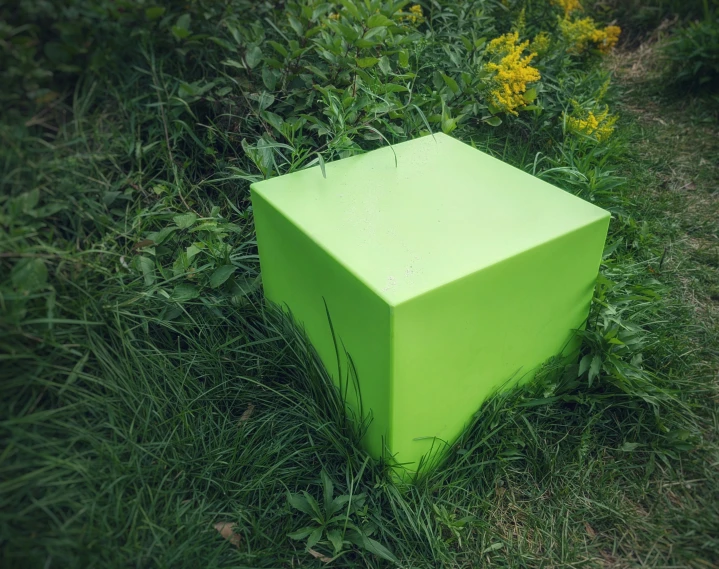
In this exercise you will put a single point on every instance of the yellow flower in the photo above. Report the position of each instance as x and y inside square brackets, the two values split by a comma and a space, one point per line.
[607, 38]
[583, 33]
[598, 126]
[413, 16]
[568, 6]
[511, 72]
[334, 16]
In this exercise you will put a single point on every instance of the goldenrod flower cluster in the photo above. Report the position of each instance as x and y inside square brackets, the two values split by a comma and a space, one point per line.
[568, 6]
[511, 72]
[583, 33]
[598, 126]
[607, 38]
[414, 15]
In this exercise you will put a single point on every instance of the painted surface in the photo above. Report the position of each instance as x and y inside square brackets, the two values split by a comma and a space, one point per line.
[447, 276]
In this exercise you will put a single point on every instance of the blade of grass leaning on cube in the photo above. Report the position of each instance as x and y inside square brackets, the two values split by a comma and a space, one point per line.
[447, 275]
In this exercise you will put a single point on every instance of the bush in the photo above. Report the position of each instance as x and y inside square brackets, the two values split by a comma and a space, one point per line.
[694, 53]
[639, 18]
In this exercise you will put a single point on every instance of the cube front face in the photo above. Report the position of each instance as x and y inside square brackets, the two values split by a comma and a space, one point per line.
[428, 350]
[456, 345]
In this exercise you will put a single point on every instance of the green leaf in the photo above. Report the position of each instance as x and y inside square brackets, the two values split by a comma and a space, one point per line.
[328, 490]
[337, 505]
[274, 119]
[242, 287]
[233, 63]
[451, 83]
[322, 164]
[378, 549]
[301, 533]
[336, 540]
[29, 274]
[313, 504]
[296, 25]
[181, 29]
[159, 237]
[181, 264]
[629, 447]
[192, 251]
[384, 64]
[184, 21]
[377, 20]
[351, 8]
[154, 12]
[184, 292]
[348, 32]
[584, 365]
[180, 33]
[265, 100]
[28, 201]
[269, 78]
[382, 32]
[493, 547]
[594, 368]
[185, 220]
[147, 267]
[279, 48]
[403, 57]
[493, 121]
[365, 62]
[221, 275]
[299, 502]
[530, 95]
[314, 537]
[253, 56]
[448, 123]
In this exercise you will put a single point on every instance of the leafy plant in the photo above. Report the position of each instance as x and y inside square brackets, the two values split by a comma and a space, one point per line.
[338, 523]
[693, 51]
[449, 521]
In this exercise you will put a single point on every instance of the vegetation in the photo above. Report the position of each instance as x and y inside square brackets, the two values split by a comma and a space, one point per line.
[694, 53]
[152, 406]
[690, 34]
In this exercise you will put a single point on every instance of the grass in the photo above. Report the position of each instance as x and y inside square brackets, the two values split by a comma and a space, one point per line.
[137, 414]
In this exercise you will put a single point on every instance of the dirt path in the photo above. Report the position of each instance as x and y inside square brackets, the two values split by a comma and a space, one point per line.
[680, 148]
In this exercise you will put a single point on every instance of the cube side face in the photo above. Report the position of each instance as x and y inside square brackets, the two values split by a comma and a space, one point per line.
[299, 275]
[456, 345]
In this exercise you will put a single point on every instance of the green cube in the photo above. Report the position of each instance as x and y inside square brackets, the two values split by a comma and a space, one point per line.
[447, 273]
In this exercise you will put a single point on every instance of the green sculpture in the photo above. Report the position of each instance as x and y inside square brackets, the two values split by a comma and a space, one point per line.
[447, 274]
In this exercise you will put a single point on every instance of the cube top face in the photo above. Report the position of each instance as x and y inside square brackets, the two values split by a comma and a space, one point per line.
[444, 211]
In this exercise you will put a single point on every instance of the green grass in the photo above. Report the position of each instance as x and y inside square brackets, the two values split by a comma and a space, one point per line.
[140, 405]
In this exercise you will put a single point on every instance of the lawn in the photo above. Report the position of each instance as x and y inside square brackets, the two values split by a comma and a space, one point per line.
[154, 412]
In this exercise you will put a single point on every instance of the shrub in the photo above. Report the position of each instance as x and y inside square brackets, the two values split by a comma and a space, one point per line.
[694, 53]
[640, 18]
